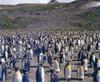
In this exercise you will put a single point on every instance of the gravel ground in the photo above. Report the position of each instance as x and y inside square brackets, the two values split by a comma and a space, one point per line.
[74, 63]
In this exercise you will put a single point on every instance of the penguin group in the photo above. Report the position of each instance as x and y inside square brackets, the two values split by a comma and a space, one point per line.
[57, 55]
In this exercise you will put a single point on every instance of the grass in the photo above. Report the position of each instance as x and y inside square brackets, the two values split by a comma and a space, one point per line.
[89, 20]
[12, 16]
[21, 16]
[7, 22]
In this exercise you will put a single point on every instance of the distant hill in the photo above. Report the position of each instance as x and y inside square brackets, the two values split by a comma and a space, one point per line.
[53, 1]
[89, 19]
[50, 16]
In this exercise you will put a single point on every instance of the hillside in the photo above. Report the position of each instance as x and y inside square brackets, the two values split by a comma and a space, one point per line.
[49, 16]
[35, 16]
[89, 19]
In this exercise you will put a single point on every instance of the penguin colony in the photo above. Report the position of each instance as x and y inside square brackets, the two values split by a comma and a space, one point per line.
[53, 55]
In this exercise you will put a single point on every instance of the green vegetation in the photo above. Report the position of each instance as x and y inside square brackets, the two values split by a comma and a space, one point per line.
[91, 15]
[21, 16]
[89, 20]
[7, 22]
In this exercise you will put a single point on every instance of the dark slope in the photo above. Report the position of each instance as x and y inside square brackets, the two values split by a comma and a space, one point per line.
[49, 16]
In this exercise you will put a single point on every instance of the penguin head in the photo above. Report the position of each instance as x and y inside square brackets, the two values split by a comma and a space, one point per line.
[55, 58]
[16, 69]
[17, 73]
[25, 72]
[52, 70]
[41, 64]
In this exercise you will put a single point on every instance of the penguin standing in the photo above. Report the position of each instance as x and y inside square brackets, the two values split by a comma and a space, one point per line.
[61, 57]
[98, 63]
[67, 71]
[20, 45]
[59, 46]
[56, 65]
[40, 74]
[80, 54]
[26, 77]
[6, 55]
[20, 49]
[92, 46]
[49, 59]
[27, 65]
[2, 48]
[40, 57]
[17, 77]
[81, 72]
[31, 53]
[92, 60]
[79, 42]
[3, 70]
[69, 57]
[98, 45]
[66, 49]
[85, 61]
[64, 55]
[82, 42]
[14, 59]
[98, 76]
[76, 47]
[53, 76]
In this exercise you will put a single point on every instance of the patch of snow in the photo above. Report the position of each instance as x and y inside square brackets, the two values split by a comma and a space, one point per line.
[92, 4]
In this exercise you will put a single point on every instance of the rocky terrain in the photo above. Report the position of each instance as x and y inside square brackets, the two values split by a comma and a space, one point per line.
[50, 16]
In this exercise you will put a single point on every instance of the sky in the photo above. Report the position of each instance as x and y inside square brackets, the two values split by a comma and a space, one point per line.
[13, 2]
